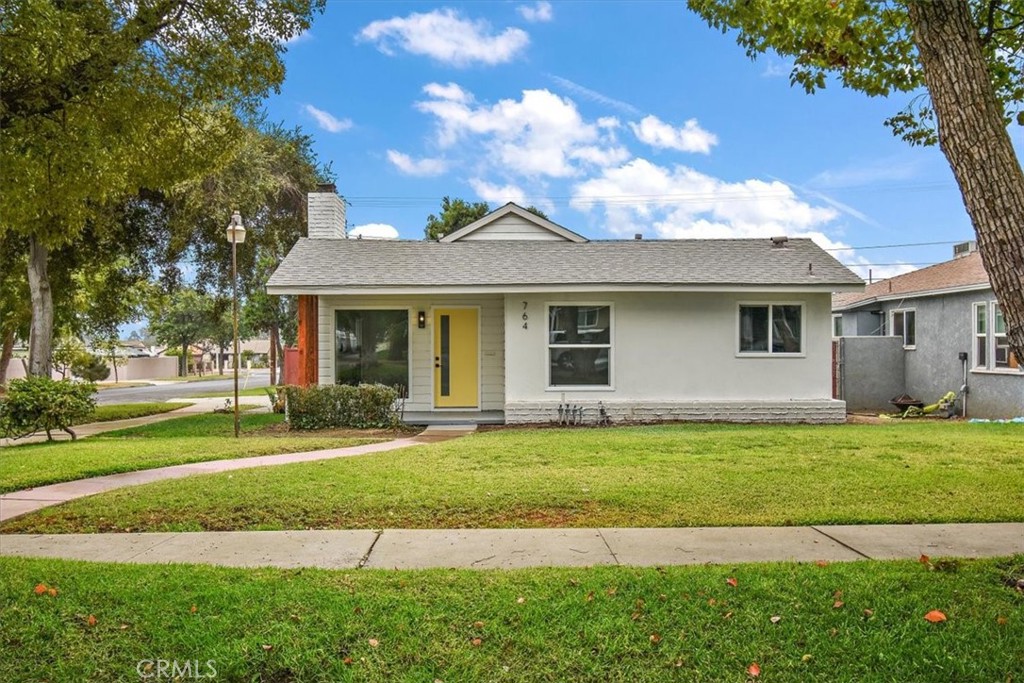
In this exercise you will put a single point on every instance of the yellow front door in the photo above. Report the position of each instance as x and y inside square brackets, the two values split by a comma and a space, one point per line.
[456, 358]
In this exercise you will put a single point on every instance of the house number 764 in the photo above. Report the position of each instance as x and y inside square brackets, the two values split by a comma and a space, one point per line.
[526, 316]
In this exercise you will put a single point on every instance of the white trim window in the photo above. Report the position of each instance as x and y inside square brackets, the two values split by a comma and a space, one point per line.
[837, 324]
[775, 329]
[579, 345]
[991, 349]
[904, 324]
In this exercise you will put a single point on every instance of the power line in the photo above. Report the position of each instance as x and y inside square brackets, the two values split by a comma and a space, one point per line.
[894, 246]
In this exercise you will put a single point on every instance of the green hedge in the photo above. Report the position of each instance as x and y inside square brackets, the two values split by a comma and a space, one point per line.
[41, 404]
[331, 406]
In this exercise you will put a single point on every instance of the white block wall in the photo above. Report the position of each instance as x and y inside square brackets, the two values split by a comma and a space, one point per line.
[325, 215]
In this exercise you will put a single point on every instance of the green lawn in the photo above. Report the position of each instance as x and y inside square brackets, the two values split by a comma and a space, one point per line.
[860, 621]
[676, 475]
[192, 438]
[125, 411]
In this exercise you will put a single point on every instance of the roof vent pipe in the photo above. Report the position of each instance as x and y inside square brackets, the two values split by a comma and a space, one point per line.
[638, 236]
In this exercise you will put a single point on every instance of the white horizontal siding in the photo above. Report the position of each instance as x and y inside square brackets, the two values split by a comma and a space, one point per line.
[512, 227]
[421, 363]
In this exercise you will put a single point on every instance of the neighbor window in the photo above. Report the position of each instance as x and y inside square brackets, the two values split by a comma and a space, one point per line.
[371, 347]
[991, 349]
[837, 326]
[904, 324]
[771, 328]
[579, 346]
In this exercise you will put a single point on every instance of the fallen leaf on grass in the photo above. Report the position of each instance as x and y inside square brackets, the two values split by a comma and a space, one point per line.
[478, 624]
[731, 581]
[520, 600]
[806, 658]
[267, 647]
[193, 609]
[374, 642]
[776, 619]
[40, 589]
[477, 642]
[837, 604]
[868, 613]
[727, 615]
[612, 591]
[821, 563]
[91, 620]
[52, 592]
[924, 559]
[655, 638]
[123, 627]
[1002, 621]
[590, 597]
[347, 661]
[935, 616]
[754, 670]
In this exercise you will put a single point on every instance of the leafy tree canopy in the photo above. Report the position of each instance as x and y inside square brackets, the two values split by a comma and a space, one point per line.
[457, 214]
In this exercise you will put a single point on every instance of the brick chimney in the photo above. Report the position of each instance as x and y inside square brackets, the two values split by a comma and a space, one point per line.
[325, 213]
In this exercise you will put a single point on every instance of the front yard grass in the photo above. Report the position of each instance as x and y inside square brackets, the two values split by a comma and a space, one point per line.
[861, 621]
[663, 476]
[126, 411]
[192, 438]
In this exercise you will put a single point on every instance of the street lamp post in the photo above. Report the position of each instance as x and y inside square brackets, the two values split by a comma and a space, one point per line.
[236, 235]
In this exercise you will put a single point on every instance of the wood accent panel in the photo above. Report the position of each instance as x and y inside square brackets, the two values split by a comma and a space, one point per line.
[308, 340]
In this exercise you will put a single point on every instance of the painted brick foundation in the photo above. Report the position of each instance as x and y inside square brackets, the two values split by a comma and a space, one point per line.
[823, 411]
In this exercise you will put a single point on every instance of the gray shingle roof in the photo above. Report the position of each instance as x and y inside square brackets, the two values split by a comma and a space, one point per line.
[342, 264]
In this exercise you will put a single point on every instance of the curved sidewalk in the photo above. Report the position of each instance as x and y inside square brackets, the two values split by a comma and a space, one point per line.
[521, 548]
[23, 502]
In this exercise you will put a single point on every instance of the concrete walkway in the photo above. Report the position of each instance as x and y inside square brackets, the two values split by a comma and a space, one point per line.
[518, 548]
[29, 500]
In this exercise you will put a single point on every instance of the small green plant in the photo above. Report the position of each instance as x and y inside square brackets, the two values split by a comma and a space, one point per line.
[91, 368]
[36, 404]
[326, 407]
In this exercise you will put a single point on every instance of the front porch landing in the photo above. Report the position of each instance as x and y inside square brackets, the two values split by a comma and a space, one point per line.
[454, 417]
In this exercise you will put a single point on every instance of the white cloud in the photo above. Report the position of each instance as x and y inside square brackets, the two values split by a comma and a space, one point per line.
[679, 202]
[450, 91]
[870, 172]
[775, 69]
[498, 195]
[424, 168]
[303, 37]
[540, 135]
[444, 35]
[689, 138]
[538, 12]
[327, 121]
[374, 231]
[594, 96]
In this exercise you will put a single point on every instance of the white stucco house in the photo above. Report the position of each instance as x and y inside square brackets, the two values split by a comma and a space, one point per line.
[512, 316]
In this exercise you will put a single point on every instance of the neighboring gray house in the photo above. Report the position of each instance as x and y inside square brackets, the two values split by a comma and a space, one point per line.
[512, 316]
[918, 333]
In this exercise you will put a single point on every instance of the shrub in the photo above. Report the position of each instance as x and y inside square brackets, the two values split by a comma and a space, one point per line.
[38, 404]
[91, 368]
[325, 407]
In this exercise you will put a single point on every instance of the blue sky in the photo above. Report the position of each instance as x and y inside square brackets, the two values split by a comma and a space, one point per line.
[614, 118]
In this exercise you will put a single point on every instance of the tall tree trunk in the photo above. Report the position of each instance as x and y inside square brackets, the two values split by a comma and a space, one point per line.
[220, 358]
[272, 356]
[6, 353]
[183, 363]
[973, 136]
[40, 345]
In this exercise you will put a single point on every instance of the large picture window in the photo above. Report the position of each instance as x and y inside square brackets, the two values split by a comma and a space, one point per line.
[991, 349]
[904, 324]
[771, 328]
[579, 346]
[371, 347]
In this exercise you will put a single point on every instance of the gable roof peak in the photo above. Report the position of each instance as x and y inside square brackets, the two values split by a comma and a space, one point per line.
[513, 208]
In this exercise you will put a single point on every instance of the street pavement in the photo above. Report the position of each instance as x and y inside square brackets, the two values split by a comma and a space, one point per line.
[167, 390]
